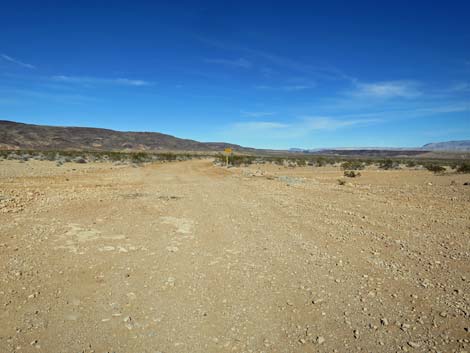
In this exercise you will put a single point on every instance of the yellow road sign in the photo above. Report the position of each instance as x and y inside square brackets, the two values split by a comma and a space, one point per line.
[228, 150]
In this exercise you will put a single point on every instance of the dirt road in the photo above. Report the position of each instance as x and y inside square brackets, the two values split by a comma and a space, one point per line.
[189, 257]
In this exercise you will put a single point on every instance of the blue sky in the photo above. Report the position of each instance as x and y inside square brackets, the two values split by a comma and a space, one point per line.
[263, 74]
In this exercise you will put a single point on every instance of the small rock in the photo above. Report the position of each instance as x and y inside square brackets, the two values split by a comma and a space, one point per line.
[405, 327]
[414, 344]
[443, 314]
[320, 340]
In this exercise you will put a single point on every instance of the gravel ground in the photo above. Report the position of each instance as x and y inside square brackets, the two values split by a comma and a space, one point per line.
[190, 257]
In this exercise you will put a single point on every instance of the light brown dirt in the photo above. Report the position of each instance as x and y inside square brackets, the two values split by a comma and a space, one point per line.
[189, 257]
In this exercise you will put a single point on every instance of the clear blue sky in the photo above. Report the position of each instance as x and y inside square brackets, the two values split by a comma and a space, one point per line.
[264, 74]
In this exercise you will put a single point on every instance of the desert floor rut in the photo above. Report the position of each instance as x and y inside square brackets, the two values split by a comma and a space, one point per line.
[190, 257]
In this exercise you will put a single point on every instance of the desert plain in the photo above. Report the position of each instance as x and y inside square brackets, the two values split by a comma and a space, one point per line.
[193, 257]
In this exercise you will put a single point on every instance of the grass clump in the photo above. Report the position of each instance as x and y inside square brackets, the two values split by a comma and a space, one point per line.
[464, 168]
[341, 182]
[388, 164]
[351, 174]
[435, 168]
[352, 165]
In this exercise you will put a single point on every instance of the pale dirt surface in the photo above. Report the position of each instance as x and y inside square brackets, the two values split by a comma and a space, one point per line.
[190, 257]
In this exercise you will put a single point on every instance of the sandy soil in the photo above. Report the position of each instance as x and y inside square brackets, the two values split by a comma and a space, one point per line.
[190, 257]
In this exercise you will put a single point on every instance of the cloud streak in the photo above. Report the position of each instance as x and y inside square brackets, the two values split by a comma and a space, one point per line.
[286, 88]
[299, 128]
[238, 63]
[16, 62]
[97, 80]
[321, 72]
[387, 89]
[255, 126]
[257, 114]
[57, 97]
[461, 87]
[317, 123]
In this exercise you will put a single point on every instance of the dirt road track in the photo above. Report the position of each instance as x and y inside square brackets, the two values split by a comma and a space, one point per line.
[188, 257]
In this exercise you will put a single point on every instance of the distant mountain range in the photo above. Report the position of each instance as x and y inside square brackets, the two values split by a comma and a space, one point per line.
[15, 135]
[39, 137]
[448, 146]
[463, 145]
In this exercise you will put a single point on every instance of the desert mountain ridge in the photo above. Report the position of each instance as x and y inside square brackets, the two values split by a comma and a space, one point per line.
[463, 145]
[451, 146]
[15, 135]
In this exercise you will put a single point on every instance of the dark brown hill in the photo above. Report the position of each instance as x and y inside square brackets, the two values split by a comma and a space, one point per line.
[39, 137]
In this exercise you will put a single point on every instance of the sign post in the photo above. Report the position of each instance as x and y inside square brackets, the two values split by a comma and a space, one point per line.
[227, 151]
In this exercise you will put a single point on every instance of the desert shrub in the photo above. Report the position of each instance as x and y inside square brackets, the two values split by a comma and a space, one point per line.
[351, 174]
[235, 160]
[50, 155]
[167, 156]
[388, 164]
[80, 160]
[321, 162]
[435, 168]
[139, 157]
[341, 182]
[464, 168]
[410, 164]
[114, 156]
[352, 165]
[240, 160]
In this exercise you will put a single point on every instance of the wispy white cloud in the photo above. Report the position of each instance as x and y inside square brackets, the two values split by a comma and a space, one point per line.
[126, 81]
[16, 62]
[306, 126]
[407, 112]
[257, 114]
[321, 72]
[98, 80]
[286, 88]
[387, 89]
[266, 71]
[58, 97]
[240, 63]
[442, 109]
[296, 129]
[255, 126]
[314, 123]
[460, 87]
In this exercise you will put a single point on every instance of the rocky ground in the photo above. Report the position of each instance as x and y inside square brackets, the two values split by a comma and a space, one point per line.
[190, 257]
